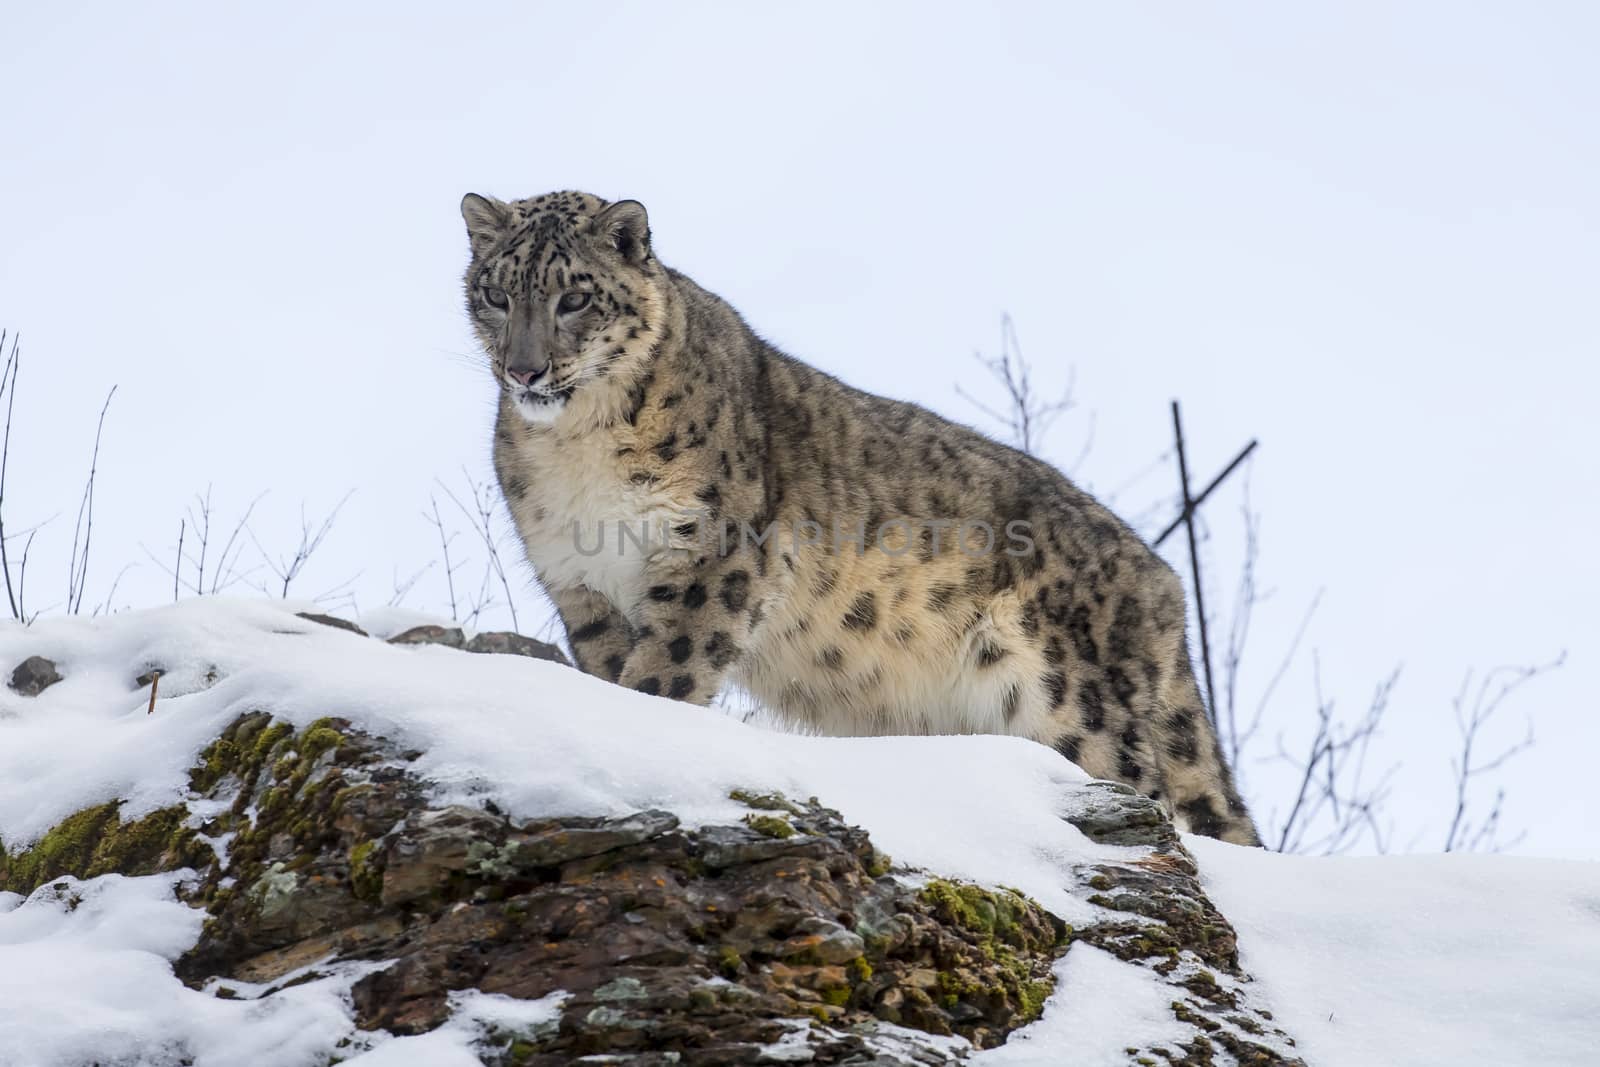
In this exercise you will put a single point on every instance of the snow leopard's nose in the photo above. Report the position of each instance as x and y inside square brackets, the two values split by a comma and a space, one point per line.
[527, 356]
[526, 377]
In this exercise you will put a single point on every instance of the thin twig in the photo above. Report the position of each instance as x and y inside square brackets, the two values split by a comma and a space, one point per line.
[1283, 664]
[104, 607]
[178, 567]
[78, 569]
[1159, 463]
[287, 569]
[403, 589]
[22, 581]
[1027, 418]
[226, 570]
[8, 389]
[1332, 796]
[202, 527]
[482, 520]
[1246, 598]
[444, 548]
[1493, 689]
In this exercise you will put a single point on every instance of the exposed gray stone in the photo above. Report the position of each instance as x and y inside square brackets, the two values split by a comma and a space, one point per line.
[333, 621]
[449, 636]
[505, 642]
[34, 675]
[553, 845]
[826, 940]
[734, 846]
[1121, 816]
[431, 846]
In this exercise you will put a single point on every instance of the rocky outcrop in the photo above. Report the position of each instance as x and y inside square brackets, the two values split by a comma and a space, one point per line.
[785, 936]
[1157, 916]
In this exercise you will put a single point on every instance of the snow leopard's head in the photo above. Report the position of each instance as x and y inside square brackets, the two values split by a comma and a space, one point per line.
[563, 291]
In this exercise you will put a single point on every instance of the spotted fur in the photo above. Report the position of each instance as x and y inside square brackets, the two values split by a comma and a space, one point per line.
[646, 403]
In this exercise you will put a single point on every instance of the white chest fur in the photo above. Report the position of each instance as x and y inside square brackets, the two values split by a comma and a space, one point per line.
[584, 521]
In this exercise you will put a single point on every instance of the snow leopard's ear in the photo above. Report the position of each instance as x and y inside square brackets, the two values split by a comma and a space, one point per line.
[625, 229]
[486, 220]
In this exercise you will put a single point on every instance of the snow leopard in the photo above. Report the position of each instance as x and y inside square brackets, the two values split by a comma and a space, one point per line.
[705, 510]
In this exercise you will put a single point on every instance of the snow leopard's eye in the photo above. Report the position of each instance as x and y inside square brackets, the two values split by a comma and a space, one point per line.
[495, 298]
[571, 302]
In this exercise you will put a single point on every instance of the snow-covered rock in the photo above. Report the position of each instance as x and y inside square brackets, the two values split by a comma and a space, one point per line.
[320, 846]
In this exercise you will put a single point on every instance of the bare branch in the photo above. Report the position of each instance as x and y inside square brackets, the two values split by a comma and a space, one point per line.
[104, 607]
[340, 594]
[403, 589]
[552, 629]
[8, 390]
[1283, 664]
[202, 528]
[287, 569]
[1027, 418]
[78, 567]
[1334, 805]
[481, 516]
[1246, 597]
[1157, 464]
[1471, 717]
[226, 572]
[444, 548]
[22, 581]
[177, 566]
[1308, 772]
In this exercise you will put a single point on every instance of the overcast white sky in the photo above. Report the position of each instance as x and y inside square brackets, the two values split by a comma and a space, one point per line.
[1366, 233]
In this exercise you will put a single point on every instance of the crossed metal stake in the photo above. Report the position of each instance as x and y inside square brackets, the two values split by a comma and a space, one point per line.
[1190, 503]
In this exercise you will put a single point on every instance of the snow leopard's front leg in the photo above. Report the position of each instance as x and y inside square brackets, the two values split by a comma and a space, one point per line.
[601, 636]
[693, 625]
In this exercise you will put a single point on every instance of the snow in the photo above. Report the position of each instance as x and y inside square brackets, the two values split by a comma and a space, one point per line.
[1418, 959]
[1414, 960]
[474, 1016]
[85, 977]
[1101, 1007]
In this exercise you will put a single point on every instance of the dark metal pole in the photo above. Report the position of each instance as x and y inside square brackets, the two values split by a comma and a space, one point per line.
[1201, 499]
[1194, 562]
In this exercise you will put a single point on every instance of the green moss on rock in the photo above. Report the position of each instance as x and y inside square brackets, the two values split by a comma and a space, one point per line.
[321, 736]
[763, 801]
[66, 849]
[268, 740]
[215, 762]
[770, 825]
[96, 841]
[986, 912]
[366, 876]
[1011, 931]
